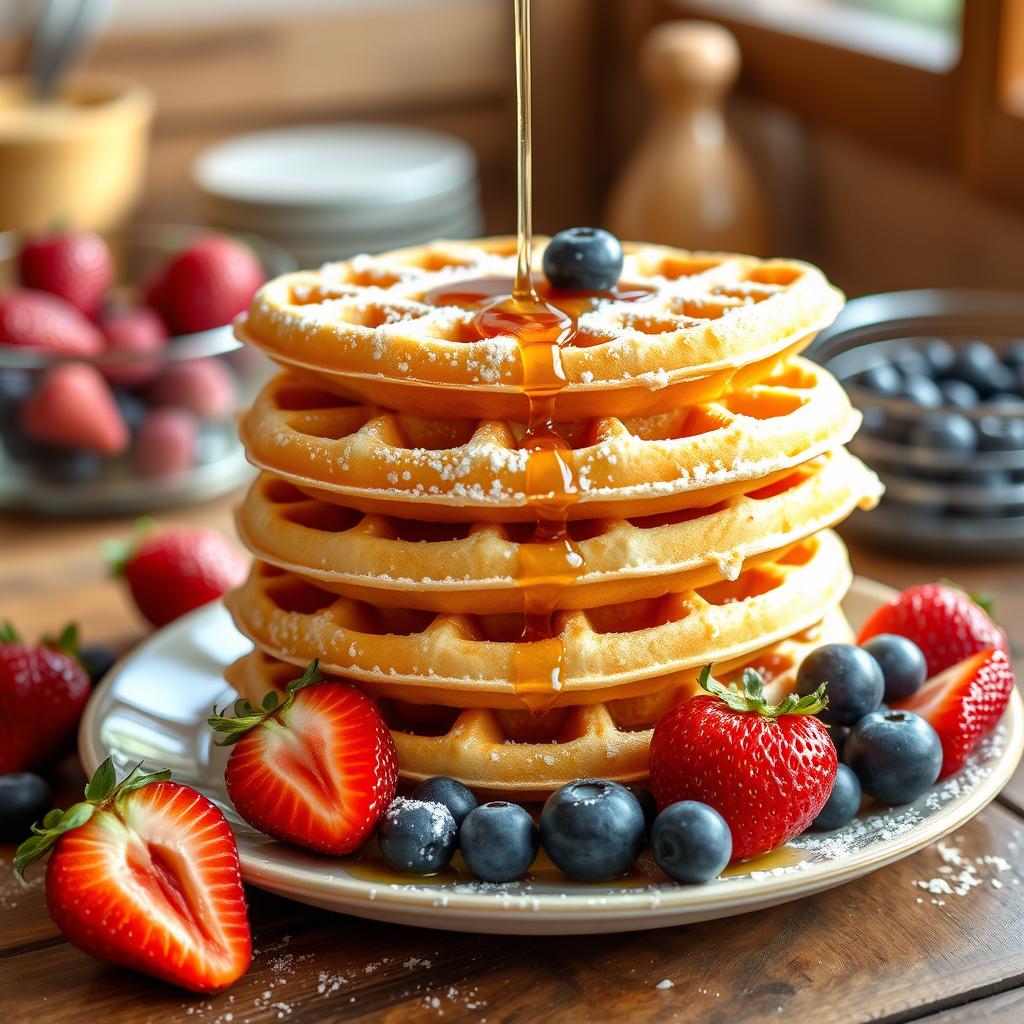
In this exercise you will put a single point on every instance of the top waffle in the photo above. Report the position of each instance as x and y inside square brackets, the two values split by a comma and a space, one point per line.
[712, 323]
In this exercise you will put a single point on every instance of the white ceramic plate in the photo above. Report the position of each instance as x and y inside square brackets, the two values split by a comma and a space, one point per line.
[153, 707]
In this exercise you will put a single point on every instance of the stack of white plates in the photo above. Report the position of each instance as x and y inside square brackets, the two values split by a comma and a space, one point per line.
[326, 192]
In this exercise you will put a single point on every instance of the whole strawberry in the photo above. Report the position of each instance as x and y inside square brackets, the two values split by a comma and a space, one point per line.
[145, 874]
[207, 285]
[43, 688]
[74, 408]
[75, 265]
[964, 703]
[316, 768]
[768, 770]
[171, 572]
[40, 322]
[947, 624]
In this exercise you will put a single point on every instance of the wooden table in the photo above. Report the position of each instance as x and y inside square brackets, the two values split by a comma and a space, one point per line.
[883, 948]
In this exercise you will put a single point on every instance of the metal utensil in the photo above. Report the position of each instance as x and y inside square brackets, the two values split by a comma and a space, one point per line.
[64, 30]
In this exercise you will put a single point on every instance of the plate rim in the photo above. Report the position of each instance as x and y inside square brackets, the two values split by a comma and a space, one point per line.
[720, 898]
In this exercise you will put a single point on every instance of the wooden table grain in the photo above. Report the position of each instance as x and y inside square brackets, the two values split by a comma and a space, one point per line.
[938, 937]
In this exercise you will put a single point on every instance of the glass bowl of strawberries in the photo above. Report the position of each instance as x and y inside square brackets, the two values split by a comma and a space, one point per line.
[120, 376]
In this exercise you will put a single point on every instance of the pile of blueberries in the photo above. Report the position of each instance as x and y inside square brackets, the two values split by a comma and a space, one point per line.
[888, 754]
[961, 409]
[593, 830]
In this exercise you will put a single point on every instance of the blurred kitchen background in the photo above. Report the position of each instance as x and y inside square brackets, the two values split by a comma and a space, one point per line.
[884, 134]
[881, 139]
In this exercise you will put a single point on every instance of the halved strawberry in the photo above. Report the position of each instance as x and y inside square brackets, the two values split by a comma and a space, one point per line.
[947, 624]
[316, 769]
[145, 875]
[964, 703]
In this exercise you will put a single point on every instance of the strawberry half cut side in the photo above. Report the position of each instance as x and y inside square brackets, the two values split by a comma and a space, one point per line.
[316, 768]
[964, 703]
[145, 874]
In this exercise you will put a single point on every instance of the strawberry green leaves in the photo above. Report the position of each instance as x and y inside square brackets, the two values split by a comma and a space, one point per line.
[752, 698]
[245, 717]
[101, 791]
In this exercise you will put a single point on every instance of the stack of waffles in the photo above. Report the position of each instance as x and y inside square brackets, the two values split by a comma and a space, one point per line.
[393, 521]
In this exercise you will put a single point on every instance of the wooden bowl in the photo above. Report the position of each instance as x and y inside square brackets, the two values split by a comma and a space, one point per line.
[77, 159]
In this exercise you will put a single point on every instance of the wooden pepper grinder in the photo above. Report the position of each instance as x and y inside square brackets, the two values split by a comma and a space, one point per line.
[689, 183]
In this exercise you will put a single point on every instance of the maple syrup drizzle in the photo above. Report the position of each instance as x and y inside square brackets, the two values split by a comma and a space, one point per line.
[551, 560]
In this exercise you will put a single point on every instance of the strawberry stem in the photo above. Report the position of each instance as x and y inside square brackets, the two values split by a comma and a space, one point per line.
[245, 717]
[101, 790]
[118, 553]
[752, 698]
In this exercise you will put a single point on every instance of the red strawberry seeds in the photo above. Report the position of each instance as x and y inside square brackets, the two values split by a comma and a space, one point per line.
[964, 703]
[174, 571]
[944, 622]
[767, 770]
[43, 689]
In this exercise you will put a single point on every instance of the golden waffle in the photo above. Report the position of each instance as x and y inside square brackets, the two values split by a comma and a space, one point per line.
[472, 568]
[714, 322]
[516, 753]
[468, 660]
[465, 470]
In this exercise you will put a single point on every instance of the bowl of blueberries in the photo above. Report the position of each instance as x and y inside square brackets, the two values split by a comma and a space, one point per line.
[939, 377]
[120, 377]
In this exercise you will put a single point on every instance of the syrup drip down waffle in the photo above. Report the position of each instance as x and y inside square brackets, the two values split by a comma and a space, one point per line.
[475, 567]
[522, 520]
[467, 660]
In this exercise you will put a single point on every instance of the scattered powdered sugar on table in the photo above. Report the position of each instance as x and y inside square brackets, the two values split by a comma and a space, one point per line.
[958, 874]
[13, 891]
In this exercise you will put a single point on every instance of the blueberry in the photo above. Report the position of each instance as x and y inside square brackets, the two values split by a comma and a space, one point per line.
[448, 793]
[854, 682]
[878, 424]
[882, 378]
[895, 754]
[1014, 354]
[68, 467]
[837, 734]
[910, 361]
[132, 408]
[417, 837]
[996, 433]
[647, 804]
[902, 663]
[499, 841]
[593, 830]
[922, 391]
[842, 805]
[1004, 398]
[939, 353]
[691, 842]
[998, 380]
[944, 431]
[979, 366]
[583, 259]
[98, 660]
[24, 799]
[959, 394]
